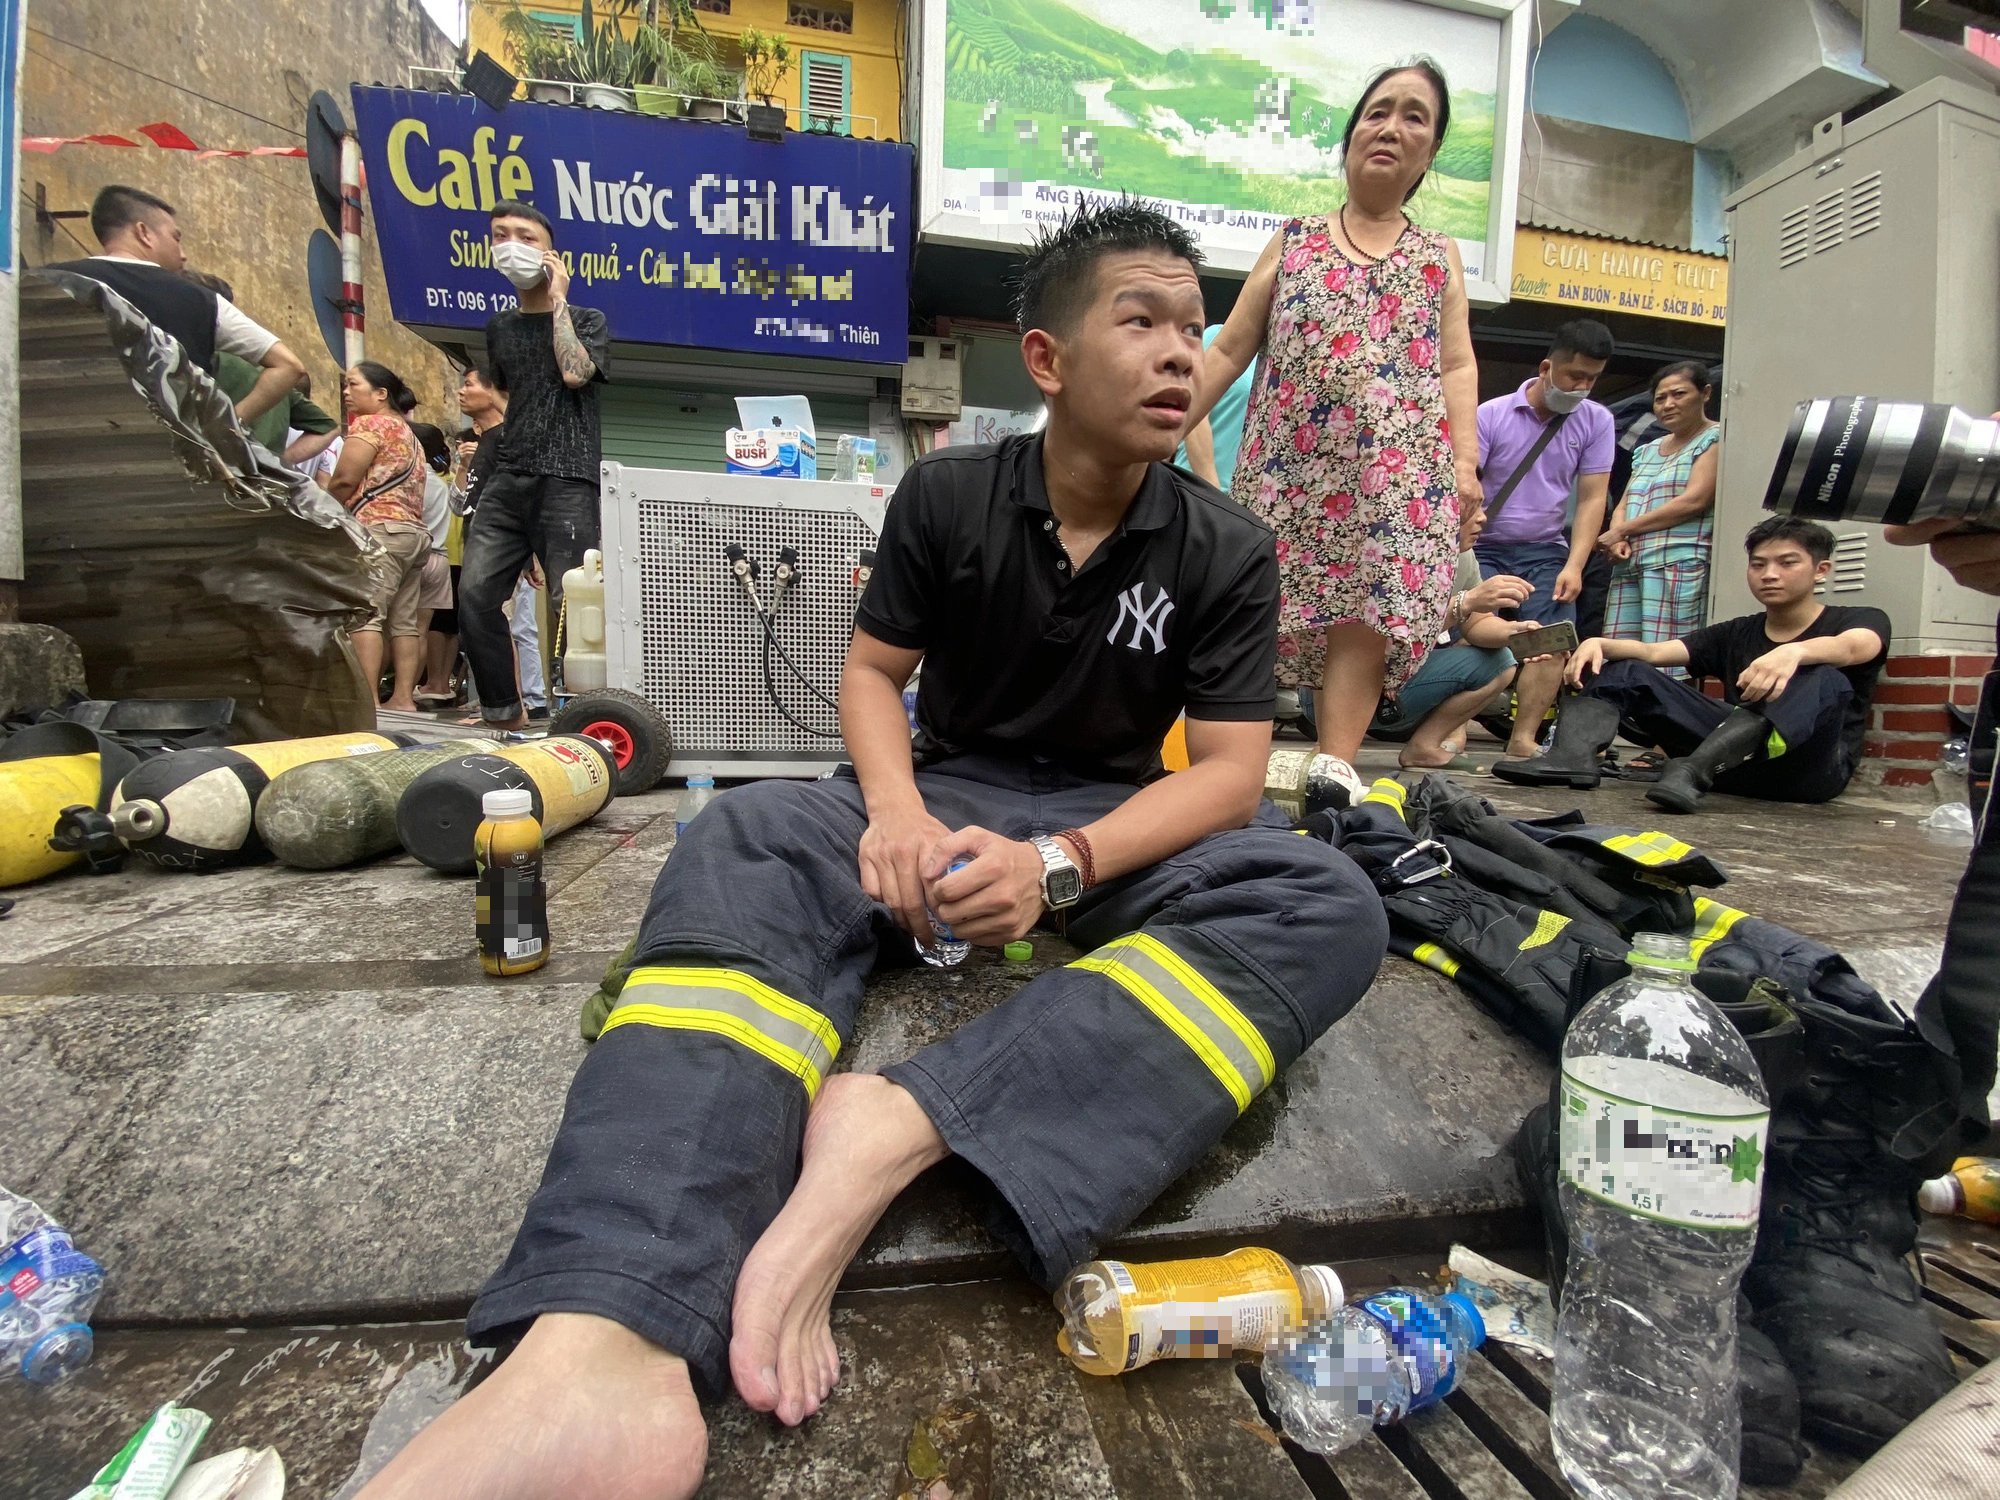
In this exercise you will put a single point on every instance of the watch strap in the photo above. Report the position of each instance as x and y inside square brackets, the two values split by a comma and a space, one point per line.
[1053, 859]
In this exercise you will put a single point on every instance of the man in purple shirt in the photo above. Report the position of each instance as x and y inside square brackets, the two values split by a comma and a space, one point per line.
[1525, 536]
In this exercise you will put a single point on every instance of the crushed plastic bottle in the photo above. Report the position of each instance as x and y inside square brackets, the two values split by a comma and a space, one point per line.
[1664, 1119]
[1368, 1365]
[943, 951]
[700, 792]
[1948, 817]
[1955, 756]
[47, 1290]
[1118, 1316]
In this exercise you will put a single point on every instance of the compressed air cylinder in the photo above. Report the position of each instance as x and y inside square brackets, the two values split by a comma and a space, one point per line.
[196, 809]
[334, 812]
[569, 777]
[34, 789]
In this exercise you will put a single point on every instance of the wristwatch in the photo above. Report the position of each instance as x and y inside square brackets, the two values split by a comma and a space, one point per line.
[1062, 881]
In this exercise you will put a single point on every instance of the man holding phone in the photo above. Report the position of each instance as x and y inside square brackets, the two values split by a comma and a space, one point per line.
[1797, 682]
[1536, 446]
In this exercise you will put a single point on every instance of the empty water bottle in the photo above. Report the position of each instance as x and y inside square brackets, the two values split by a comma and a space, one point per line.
[1663, 1123]
[700, 792]
[47, 1291]
[943, 951]
[1368, 1365]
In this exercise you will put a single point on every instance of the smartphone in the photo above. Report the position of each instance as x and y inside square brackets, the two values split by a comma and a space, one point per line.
[1550, 640]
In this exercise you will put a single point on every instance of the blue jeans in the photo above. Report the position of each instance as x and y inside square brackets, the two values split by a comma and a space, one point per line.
[1538, 563]
[1447, 670]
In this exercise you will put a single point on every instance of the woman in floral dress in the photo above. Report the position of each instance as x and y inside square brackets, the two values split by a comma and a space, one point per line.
[1360, 447]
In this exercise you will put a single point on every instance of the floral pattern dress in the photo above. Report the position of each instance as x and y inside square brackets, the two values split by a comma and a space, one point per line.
[1346, 452]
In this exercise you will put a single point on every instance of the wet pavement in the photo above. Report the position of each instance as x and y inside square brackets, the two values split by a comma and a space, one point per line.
[273, 1098]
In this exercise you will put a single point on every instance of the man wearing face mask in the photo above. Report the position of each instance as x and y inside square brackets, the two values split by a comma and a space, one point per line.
[1535, 445]
[541, 499]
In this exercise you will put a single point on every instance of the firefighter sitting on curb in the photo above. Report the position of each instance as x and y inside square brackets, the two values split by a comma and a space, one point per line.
[1797, 681]
[1068, 594]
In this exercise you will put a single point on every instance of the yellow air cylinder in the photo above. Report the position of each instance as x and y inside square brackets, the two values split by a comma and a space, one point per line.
[33, 793]
[571, 779]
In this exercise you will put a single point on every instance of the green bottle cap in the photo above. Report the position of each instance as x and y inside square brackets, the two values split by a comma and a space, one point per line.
[1020, 950]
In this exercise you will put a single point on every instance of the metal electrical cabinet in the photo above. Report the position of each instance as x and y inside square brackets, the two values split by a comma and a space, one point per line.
[1867, 265]
[679, 631]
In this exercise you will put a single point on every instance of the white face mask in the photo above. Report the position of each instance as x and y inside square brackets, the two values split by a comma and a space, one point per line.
[1559, 400]
[519, 263]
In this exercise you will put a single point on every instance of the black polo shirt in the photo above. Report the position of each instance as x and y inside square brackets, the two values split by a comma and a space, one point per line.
[1178, 608]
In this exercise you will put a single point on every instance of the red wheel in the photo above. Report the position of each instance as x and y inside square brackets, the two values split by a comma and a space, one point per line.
[616, 737]
[632, 731]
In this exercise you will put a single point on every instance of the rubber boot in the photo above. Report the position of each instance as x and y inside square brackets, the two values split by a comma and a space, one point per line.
[1585, 728]
[1772, 1451]
[1830, 1279]
[1684, 781]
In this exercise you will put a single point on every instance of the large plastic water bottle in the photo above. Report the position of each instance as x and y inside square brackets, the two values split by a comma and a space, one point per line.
[47, 1290]
[1662, 1133]
[1368, 1365]
[944, 951]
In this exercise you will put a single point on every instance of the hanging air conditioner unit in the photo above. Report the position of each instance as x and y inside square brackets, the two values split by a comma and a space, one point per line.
[680, 632]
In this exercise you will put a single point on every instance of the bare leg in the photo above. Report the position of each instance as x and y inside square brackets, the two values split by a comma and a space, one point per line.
[1534, 691]
[407, 652]
[1440, 734]
[583, 1407]
[368, 652]
[866, 1138]
[1355, 657]
[440, 651]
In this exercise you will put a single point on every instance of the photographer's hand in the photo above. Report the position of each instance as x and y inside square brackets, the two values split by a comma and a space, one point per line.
[1972, 557]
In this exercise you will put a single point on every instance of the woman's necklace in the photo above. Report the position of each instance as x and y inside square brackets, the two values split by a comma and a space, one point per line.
[1681, 442]
[1373, 260]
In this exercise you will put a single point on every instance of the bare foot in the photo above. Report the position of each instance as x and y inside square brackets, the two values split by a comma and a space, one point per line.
[402, 705]
[583, 1407]
[865, 1139]
[1415, 757]
[1518, 751]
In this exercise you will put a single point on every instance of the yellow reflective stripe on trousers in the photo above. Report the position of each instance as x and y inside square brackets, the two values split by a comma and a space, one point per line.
[1649, 848]
[1388, 793]
[1547, 925]
[1192, 1009]
[727, 1002]
[1712, 921]
[1431, 956]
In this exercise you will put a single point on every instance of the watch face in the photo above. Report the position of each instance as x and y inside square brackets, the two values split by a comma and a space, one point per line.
[1064, 887]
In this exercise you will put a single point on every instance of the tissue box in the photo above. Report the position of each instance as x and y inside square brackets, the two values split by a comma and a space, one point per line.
[774, 452]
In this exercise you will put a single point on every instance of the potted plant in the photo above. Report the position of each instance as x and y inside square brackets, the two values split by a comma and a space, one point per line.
[547, 59]
[607, 64]
[702, 83]
[766, 61]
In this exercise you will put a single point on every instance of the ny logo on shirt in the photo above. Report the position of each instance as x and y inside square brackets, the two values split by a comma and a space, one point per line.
[1147, 619]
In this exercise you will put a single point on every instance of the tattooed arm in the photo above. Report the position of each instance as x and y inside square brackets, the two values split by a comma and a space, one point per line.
[571, 358]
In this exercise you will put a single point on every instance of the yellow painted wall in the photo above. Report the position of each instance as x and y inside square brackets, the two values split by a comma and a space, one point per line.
[874, 87]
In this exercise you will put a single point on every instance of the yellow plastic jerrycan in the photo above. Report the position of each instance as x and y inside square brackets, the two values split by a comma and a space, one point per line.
[583, 625]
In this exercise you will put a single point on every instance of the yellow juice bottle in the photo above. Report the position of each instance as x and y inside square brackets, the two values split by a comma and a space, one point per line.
[1972, 1190]
[1117, 1317]
[513, 903]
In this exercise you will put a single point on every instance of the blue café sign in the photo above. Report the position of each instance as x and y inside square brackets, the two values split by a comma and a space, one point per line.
[679, 231]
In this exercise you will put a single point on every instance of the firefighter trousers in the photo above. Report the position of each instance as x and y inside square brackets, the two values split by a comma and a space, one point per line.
[1079, 1098]
[1805, 761]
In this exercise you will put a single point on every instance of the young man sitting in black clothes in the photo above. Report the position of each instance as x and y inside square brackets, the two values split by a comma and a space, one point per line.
[1797, 681]
[1067, 593]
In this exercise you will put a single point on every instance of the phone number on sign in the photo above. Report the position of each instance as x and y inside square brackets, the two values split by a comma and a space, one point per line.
[448, 297]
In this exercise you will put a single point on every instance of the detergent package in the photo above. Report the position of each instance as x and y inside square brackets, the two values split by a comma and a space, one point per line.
[777, 439]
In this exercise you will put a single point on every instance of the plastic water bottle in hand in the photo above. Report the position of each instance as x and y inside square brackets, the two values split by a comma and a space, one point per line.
[1662, 1132]
[943, 951]
[700, 792]
[47, 1291]
[1368, 1365]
